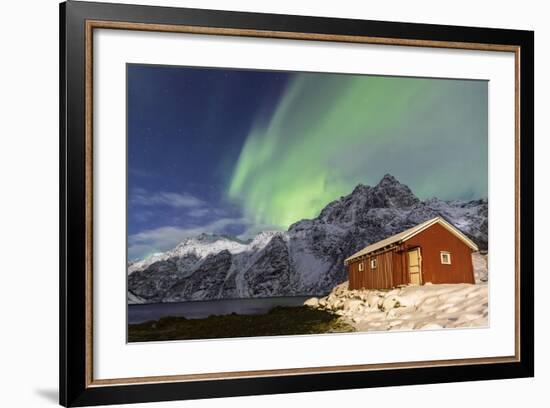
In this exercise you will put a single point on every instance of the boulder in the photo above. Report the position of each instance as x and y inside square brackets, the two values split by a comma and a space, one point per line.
[312, 302]
[352, 304]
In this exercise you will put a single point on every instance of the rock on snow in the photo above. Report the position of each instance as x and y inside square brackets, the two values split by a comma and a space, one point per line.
[409, 307]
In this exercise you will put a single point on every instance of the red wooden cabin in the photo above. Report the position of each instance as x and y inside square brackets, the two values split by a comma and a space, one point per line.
[434, 251]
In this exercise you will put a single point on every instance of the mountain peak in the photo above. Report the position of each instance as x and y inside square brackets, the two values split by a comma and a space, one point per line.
[388, 179]
[389, 192]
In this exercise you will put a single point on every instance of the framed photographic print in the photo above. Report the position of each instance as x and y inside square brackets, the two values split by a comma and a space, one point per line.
[255, 203]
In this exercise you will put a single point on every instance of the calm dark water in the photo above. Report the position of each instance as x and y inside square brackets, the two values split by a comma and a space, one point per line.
[198, 310]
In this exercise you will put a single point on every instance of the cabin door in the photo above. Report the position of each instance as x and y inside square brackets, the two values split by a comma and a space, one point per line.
[415, 266]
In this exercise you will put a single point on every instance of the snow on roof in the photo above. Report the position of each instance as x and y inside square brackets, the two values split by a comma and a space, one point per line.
[411, 232]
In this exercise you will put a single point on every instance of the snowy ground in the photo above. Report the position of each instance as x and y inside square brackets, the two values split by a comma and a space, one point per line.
[410, 307]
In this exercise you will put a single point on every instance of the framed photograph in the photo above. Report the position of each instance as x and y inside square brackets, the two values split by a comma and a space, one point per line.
[256, 204]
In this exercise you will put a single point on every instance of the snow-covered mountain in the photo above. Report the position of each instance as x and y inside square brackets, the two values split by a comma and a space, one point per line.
[308, 259]
[196, 247]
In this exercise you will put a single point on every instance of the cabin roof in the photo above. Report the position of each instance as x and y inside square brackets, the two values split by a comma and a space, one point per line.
[409, 233]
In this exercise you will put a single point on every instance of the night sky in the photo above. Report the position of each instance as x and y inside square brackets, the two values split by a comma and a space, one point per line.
[238, 151]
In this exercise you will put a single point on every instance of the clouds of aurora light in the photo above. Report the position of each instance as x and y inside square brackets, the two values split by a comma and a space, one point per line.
[330, 132]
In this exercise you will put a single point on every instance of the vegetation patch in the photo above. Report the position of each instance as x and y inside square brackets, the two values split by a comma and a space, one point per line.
[279, 321]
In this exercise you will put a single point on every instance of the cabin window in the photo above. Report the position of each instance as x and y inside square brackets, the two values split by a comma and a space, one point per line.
[445, 257]
[361, 266]
[373, 263]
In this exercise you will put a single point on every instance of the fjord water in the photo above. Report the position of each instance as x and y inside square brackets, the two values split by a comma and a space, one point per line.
[203, 309]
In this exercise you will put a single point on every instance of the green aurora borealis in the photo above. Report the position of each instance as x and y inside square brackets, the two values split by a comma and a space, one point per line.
[330, 132]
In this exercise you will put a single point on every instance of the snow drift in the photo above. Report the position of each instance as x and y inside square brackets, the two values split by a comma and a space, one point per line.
[409, 307]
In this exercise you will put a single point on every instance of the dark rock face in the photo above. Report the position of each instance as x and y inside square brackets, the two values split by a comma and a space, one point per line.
[153, 282]
[308, 259]
[205, 282]
[270, 273]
